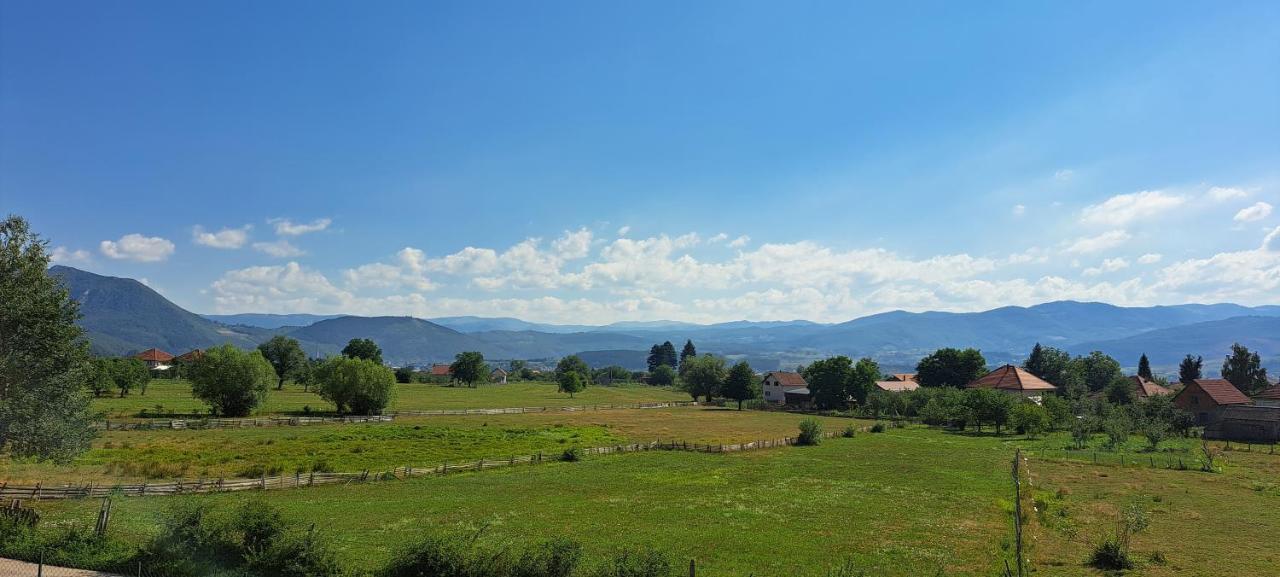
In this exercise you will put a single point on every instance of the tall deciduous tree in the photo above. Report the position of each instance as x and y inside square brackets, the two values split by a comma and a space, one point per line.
[469, 368]
[128, 374]
[572, 365]
[233, 382]
[285, 356]
[44, 362]
[1054, 366]
[1190, 369]
[703, 375]
[688, 351]
[741, 383]
[828, 381]
[1244, 369]
[360, 386]
[862, 380]
[571, 382]
[1144, 368]
[1097, 370]
[950, 368]
[363, 349]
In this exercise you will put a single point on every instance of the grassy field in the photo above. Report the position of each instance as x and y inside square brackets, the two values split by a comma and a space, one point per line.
[909, 501]
[167, 397]
[128, 456]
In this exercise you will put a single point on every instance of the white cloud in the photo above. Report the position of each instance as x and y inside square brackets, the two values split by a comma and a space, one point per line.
[739, 242]
[1221, 193]
[1063, 175]
[1258, 211]
[719, 238]
[137, 248]
[280, 249]
[1123, 209]
[1150, 258]
[624, 230]
[408, 272]
[1101, 242]
[1108, 265]
[287, 288]
[573, 245]
[225, 238]
[1019, 209]
[1272, 241]
[470, 260]
[64, 255]
[286, 227]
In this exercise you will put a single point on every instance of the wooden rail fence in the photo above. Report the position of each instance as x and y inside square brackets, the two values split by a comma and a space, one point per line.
[297, 480]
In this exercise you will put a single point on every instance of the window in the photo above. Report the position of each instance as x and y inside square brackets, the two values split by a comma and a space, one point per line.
[1195, 399]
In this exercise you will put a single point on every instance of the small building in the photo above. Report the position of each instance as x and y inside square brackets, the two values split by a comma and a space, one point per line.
[1269, 397]
[155, 359]
[776, 384]
[1245, 423]
[190, 356]
[903, 377]
[441, 371]
[1205, 398]
[1014, 381]
[798, 397]
[499, 375]
[1144, 389]
[895, 386]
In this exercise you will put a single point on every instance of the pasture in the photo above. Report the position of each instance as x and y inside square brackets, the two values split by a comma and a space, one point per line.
[170, 397]
[913, 501]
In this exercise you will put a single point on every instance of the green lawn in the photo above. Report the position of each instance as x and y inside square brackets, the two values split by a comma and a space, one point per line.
[166, 396]
[911, 501]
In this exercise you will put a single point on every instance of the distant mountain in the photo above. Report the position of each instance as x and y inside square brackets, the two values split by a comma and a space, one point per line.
[1212, 340]
[403, 340]
[123, 316]
[269, 321]
[630, 360]
[539, 345]
[480, 324]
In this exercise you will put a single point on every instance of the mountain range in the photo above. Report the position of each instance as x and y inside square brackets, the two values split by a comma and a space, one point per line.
[122, 316]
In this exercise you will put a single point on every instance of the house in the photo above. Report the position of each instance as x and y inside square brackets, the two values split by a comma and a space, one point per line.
[896, 386]
[798, 397]
[776, 383]
[155, 359]
[903, 377]
[190, 356]
[1269, 397]
[440, 371]
[498, 376]
[1014, 381]
[1144, 389]
[1205, 398]
[1245, 423]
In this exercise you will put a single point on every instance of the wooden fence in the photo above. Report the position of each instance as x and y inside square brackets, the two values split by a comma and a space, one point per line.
[211, 423]
[297, 480]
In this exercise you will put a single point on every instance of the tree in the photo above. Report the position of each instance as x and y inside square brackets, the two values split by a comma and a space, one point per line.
[362, 386]
[285, 356]
[404, 374]
[231, 381]
[363, 349]
[1097, 370]
[655, 358]
[1030, 419]
[828, 381]
[571, 382]
[662, 376]
[44, 363]
[703, 376]
[101, 381]
[668, 351]
[950, 368]
[1144, 368]
[1120, 391]
[1190, 369]
[741, 384]
[989, 405]
[469, 367]
[862, 380]
[1053, 365]
[688, 351]
[516, 368]
[128, 374]
[1244, 370]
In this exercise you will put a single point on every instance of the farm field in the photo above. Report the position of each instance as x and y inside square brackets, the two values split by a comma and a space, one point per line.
[173, 397]
[125, 456]
[912, 501]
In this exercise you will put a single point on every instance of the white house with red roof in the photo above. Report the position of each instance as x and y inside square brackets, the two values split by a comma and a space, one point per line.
[776, 384]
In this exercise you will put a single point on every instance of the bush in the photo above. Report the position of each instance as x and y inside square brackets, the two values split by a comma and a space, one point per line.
[849, 431]
[259, 525]
[648, 563]
[441, 556]
[877, 428]
[294, 555]
[572, 454]
[1155, 432]
[362, 386]
[1112, 553]
[810, 432]
[1030, 419]
[1117, 427]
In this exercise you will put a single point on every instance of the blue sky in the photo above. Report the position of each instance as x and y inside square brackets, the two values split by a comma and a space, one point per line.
[602, 161]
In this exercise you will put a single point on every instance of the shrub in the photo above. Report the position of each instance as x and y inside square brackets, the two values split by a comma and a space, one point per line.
[259, 525]
[572, 454]
[849, 431]
[1117, 427]
[1155, 432]
[295, 555]
[647, 563]
[556, 558]
[1112, 553]
[810, 432]
[877, 428]
[1030, 419]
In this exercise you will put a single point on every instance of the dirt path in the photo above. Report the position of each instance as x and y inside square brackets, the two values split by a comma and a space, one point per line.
[12, 568]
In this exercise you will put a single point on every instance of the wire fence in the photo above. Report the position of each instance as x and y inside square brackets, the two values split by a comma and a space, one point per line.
[212, 423]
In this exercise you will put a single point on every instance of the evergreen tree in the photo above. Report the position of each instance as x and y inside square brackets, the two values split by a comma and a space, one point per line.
[44, 362]
[741, 384]
[1035, 363]
[688, 351]
[1244, 370]
[655, 358]
[1144, 368]
[1190, 369]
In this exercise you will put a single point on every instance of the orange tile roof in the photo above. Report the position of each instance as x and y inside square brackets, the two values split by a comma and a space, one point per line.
[903, 377]
[788, 379]
[1011, 378]
[156, 355]
[440, 370]
[1222, 391]
[1147, 388]
[897, 386]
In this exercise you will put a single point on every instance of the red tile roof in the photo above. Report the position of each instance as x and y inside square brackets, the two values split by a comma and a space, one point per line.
[897, 386]
[440, 370]
[1145, 388]
[1011, 378]
[903, 377]
[156, 355]
[787, 379]
[1222, 391]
